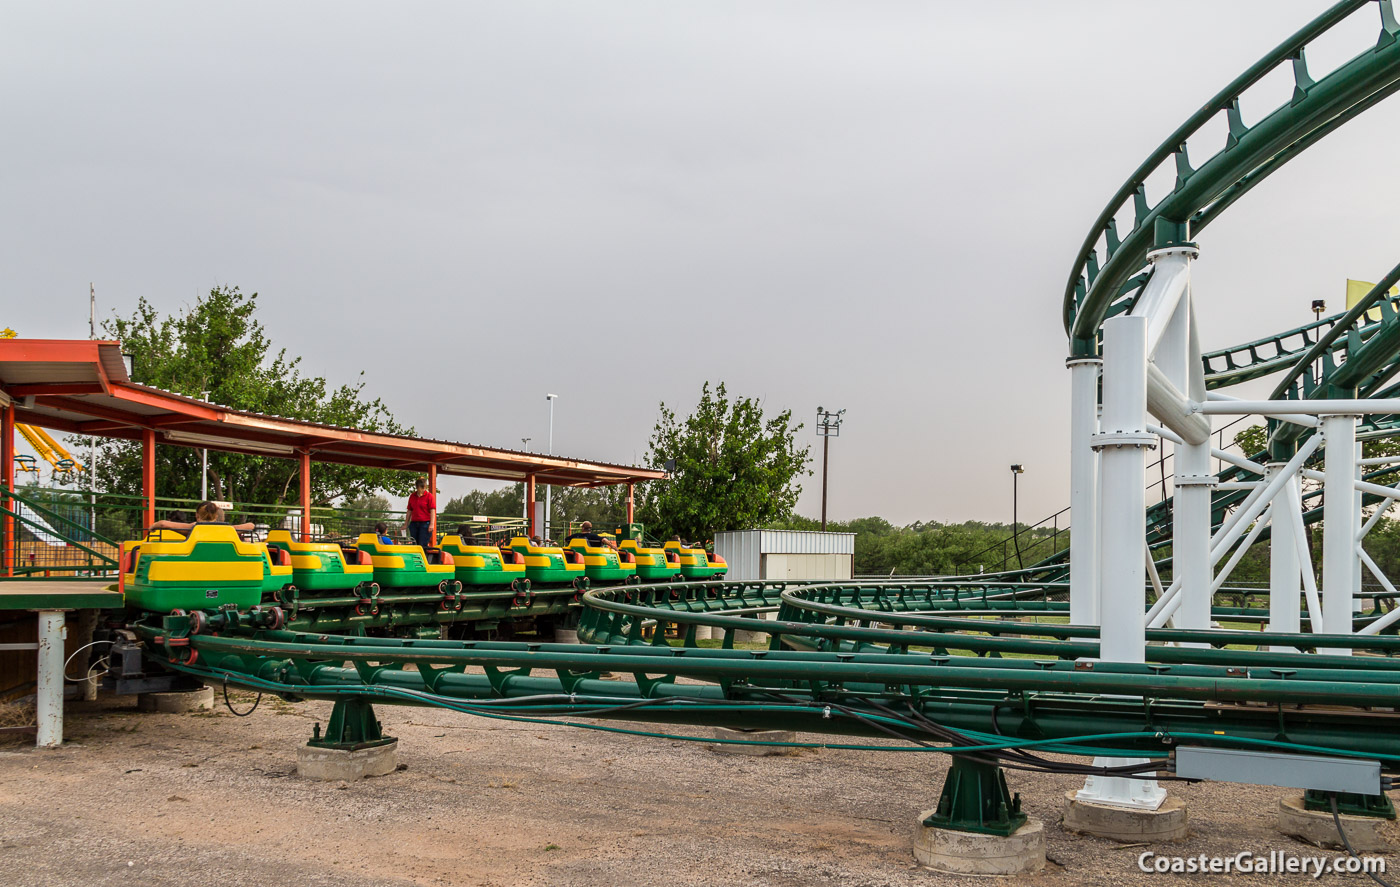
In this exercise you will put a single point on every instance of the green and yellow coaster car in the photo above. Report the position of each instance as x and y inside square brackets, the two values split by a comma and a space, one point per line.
[653, 564]
[208, 569]
[696, 563]
[407, 566]
[483, 564]
[601, 563]
[320, 566]
[550, 564]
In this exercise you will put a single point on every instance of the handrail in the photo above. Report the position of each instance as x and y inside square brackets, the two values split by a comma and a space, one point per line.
[103, 559]
[50, 515]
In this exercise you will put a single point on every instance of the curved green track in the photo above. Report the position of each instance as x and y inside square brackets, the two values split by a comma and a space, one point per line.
[992, 659]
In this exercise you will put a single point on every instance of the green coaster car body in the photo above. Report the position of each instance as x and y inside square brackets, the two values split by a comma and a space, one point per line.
[653, 564]
[696, 563]
[481, 564]
[209, 569]
[549, 564]
[320, 566]
[406, 566]
[600, 562]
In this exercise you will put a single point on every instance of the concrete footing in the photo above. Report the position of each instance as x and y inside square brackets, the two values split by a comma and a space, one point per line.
[337, 765]
[1367, 834]
[565, 636]
[734, 748]
[970, 853]
[177, 701]
[1126, 825]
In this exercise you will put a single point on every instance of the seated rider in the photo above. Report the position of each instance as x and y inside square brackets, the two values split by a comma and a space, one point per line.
[465, 531]
[586, 533]
[382, 530]
[206, 513]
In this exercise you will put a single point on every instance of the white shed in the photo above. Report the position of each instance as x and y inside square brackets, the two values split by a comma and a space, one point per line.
[787, 554]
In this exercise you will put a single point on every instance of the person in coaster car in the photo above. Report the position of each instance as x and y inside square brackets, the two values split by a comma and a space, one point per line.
[206, 513]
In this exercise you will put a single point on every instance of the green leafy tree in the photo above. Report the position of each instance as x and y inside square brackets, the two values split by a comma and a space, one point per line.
[734, 468]
[606, 507]
[505, 502]
[218, 345]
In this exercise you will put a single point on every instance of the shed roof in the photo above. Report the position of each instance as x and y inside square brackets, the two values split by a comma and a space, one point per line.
[82, 387]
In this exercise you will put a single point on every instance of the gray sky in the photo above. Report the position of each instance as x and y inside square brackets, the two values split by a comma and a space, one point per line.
[863, 205]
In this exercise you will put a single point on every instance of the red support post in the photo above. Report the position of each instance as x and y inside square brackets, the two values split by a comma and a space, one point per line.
[530, 504]
[432, 516]
[305, 473]
[631, 502]
[7, 452]
[148, 475]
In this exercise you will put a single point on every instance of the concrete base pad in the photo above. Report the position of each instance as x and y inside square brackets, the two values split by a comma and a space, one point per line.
[334, 765]
[565, 636]
[969, 853]
[1367, 834]
[1126, 825]
[732, 748]
[178, 701]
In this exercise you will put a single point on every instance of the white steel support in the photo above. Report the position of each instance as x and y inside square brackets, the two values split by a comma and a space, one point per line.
[1122, 443]
[1285, 577]
[49, 695]
[1178, 356]
[1084, 491]
[1356, 510]
[1339, 526]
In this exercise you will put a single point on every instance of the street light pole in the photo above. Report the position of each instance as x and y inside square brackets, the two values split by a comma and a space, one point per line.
[547, 488]
[525, 500]
[828, 426]
[204, 466]
[1016, 472]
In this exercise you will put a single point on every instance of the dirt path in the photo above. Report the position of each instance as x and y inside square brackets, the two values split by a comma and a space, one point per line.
[159, 800]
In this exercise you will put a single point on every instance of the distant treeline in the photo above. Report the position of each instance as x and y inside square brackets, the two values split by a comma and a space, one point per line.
[936, 549]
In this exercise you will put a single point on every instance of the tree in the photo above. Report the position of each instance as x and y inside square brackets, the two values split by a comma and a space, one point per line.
[506, 502]
[217, 345]
[734, 468]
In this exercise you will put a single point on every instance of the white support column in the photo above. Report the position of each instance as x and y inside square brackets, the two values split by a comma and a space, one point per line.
[49, 696]
[1084, 491]
[1340, 522]
[1356, 507]
[1122, 443]
[1285, 578]
[1179, 357]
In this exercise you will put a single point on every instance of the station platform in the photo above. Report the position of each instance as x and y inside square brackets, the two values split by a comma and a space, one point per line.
[51, 599]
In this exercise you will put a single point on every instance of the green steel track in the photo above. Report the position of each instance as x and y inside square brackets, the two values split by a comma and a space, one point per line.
[994, 659]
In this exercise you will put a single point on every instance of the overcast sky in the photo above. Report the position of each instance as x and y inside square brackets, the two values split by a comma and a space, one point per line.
[864, 205]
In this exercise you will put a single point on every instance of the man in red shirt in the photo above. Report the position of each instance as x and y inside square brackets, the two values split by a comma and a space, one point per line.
[421, 505]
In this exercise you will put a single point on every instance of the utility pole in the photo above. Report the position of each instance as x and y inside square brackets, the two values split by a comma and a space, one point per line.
[525, 500]
[1016, 472]
[828, 426]
[547, 488]
[204, 471]
[92, 439]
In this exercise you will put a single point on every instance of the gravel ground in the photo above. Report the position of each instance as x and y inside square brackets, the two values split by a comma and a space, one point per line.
[158, 799]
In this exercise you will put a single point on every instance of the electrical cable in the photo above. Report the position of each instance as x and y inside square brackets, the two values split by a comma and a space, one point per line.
[73, 656]
[229, 705]
[1337, 818]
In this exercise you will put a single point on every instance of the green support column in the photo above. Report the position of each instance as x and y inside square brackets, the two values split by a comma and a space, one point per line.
[353, 726]
[975, 799]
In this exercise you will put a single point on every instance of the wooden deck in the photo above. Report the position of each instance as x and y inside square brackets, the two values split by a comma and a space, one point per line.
[58, 594]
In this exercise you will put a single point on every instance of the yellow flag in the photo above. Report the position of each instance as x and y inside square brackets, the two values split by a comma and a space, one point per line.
[1358, 288]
